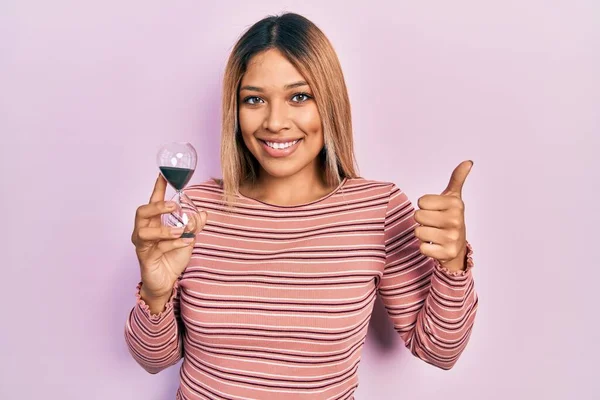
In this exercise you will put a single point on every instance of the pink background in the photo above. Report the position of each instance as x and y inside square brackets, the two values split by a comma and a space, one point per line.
[90, 91]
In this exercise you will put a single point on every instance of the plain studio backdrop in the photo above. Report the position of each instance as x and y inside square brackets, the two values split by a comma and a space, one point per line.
[90, 90]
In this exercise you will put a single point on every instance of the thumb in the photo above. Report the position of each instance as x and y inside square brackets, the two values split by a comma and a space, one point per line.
[457, 180]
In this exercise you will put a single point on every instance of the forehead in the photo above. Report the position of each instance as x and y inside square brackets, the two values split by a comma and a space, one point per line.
[270, 68]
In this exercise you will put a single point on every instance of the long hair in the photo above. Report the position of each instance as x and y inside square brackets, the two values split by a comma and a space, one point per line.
[308, 49]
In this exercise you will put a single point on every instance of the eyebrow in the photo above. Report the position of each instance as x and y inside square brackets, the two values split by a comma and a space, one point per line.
[286, 87]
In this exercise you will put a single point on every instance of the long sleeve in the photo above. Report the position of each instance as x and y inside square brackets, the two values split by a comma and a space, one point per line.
[432, 308]
[155, 340]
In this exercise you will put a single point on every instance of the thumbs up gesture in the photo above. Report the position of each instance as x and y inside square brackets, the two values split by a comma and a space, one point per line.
[442, 222]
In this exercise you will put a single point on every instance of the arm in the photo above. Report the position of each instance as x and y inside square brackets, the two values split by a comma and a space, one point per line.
[155, 340]
[432, 308]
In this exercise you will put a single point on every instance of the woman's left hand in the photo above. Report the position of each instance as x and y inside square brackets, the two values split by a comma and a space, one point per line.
[442, 219]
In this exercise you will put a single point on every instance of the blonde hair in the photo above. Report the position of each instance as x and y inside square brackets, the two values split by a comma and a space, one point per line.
[311, 53]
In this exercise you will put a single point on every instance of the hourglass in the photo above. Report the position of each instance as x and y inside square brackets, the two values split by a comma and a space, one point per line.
[177, 163]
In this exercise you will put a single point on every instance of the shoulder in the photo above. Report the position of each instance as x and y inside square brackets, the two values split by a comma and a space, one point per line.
[370, 186]
[387, 194]
[209, 190]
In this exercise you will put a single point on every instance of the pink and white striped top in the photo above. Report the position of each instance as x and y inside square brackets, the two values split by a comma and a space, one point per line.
[276, 300]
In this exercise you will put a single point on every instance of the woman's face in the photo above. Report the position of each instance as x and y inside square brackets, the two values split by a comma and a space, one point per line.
[278, 116]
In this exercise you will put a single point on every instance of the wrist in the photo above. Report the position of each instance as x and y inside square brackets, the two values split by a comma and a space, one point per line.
[148, 292]
[156, 302]
[457, 264]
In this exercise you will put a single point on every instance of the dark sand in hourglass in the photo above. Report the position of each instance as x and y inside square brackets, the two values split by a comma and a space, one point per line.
[177, 177]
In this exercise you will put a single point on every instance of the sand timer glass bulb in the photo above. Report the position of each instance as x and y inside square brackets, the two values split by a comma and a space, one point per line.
[177, 163]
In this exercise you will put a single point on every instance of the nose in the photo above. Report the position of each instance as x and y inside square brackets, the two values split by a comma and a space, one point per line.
[277, 118]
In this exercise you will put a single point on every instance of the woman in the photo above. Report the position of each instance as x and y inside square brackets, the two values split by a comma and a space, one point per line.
[272, 298]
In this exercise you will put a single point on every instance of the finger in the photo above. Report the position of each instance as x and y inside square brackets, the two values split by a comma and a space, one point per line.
[438, 219]
[434, 251]
[164, 246]
[430, 234]
[160, 188]
[199, 222]
[193, 223]
[157, 208]
[149, 234]
[196, 222]
[437, 202]
[457, 179]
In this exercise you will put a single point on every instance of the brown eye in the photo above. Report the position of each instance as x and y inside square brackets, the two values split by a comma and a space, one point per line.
[252, 100]
[301, 97]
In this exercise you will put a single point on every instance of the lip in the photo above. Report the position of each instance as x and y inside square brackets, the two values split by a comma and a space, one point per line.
[279, 140]
[278, 153]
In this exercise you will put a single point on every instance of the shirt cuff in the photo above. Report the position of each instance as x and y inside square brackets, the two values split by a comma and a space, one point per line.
[145, 309]
[468, 261]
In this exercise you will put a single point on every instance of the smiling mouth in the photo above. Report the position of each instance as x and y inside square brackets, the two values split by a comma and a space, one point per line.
[280, 145]
[280, 149]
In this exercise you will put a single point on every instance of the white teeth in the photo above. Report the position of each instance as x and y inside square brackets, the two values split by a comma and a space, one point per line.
[276, 145]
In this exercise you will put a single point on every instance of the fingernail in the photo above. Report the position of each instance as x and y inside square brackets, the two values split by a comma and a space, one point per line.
[170, 204]
[176, 232]
[188, 240]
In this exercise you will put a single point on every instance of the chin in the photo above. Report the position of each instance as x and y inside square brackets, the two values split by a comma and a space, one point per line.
[281, 169]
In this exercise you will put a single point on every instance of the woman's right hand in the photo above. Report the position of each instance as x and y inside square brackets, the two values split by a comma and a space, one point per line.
[162, 254]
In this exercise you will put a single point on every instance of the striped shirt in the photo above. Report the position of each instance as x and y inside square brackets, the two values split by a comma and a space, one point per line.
[276, 300]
